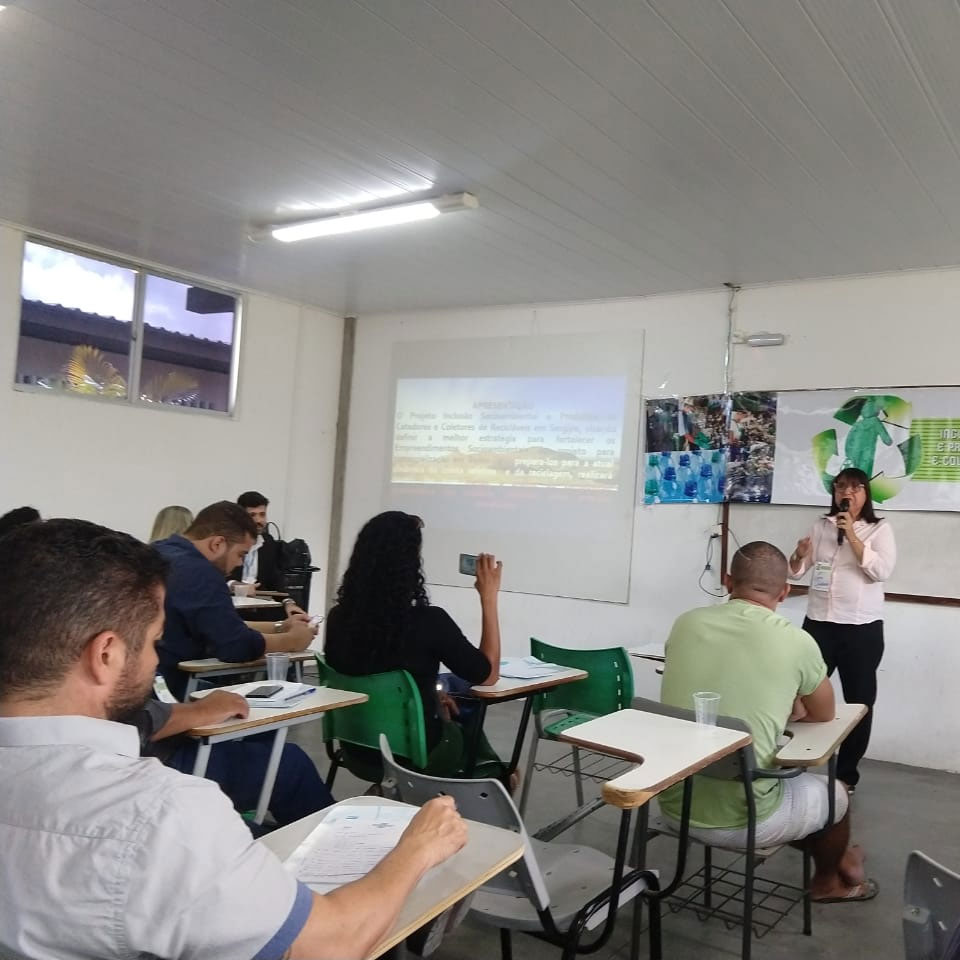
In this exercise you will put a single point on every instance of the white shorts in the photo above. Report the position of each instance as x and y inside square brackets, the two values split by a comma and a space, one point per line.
[803, 810]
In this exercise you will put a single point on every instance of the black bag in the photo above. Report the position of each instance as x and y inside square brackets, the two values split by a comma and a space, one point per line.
[294, 555]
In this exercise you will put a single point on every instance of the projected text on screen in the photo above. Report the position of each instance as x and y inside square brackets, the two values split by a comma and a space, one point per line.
[563, 432]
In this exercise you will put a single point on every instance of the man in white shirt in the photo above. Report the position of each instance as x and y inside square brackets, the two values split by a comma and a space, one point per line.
[110, 855]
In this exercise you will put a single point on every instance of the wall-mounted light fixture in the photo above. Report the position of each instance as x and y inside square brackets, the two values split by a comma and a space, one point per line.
[762, 339]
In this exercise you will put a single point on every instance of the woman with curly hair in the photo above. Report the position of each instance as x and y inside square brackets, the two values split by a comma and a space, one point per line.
[383, 620]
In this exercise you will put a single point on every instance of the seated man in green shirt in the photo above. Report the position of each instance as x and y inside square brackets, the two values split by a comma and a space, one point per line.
[761, 664]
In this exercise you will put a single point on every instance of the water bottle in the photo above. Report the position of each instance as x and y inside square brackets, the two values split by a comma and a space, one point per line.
[668, 485]
[690, 490]
[683, 470]
[719, 473]
[651, 482]
[696, 462]
[665, 461]
[706, 488]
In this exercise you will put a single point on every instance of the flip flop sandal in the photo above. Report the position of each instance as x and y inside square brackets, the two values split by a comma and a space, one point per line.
[862, 891]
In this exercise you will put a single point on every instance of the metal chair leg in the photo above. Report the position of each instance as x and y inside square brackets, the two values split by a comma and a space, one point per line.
[506, 945]
[528, 774]
[807, 912]
[577, 776]
[707, 876]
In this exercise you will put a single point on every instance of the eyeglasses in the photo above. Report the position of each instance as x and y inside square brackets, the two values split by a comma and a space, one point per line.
[848, 487]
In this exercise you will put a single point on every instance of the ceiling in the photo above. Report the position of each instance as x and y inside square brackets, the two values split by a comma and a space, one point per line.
[617, 147]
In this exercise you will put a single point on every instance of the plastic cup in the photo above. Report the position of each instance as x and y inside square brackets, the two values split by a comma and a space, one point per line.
[277, 666]
[706, 706]
[243, 589]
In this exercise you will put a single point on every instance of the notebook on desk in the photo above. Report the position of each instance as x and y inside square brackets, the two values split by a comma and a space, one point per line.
[348, 844]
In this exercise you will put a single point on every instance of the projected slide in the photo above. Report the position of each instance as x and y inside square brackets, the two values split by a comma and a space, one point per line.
[559, 432]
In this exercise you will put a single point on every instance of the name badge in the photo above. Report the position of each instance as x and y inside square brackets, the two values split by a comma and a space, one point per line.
[822, 571]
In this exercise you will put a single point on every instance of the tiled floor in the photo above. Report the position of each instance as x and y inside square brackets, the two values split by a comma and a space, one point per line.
[896, 809]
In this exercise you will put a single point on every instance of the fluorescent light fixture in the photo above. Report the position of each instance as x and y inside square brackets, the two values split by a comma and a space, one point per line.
[371, 218]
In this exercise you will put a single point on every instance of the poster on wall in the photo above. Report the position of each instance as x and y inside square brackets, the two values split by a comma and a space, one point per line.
[685, 448]
[751, 445]
[906, 439]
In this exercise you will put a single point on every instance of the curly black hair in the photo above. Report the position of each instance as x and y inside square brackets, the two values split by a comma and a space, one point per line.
[384, 582]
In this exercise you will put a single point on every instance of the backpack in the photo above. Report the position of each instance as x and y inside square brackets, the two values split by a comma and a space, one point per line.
[294, 555]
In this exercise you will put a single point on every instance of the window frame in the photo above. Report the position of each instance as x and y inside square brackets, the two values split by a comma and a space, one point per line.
[141, 271]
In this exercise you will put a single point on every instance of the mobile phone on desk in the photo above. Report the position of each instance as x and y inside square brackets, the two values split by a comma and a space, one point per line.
[468, 564]
[264, 692]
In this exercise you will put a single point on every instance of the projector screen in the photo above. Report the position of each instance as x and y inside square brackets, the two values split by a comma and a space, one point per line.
[524, 447]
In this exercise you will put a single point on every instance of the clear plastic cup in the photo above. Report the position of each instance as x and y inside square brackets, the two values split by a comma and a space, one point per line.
[243, 589]
[278, 664]
[706, 706]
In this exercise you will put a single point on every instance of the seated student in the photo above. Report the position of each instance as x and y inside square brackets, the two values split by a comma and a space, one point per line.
[760, 663]
[201, 619]
[383, 620]
[170, 520]
[106, 854]
[261, 565]
[238, 766]
[14, 518]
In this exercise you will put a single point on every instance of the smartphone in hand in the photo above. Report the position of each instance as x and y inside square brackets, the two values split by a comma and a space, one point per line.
[468, 564]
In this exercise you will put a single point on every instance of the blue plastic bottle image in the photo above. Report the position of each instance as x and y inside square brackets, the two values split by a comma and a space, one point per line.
[665, 461]
[690, 490]
[683, 470]
[719, 474]
[668, 485]
[707, 490]
[696, 462]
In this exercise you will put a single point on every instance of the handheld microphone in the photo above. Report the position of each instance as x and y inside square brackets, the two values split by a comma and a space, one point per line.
[844, 507]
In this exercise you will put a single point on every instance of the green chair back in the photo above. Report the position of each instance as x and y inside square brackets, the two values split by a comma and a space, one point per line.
[394, 709]
[608, 688]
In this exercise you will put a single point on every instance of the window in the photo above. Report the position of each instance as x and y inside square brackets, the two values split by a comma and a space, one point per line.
[97, 328]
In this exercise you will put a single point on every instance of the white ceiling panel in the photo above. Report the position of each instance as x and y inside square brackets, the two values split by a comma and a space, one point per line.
[617, 147]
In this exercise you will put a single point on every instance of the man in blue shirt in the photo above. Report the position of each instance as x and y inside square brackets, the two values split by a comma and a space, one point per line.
[201, 622]
[201, 619]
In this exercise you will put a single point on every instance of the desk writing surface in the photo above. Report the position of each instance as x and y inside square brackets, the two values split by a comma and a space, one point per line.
[512, 686]
[667, 750]
[245, 603]
[212, 663]
[811, 744]
[488, 851]
[320, 701]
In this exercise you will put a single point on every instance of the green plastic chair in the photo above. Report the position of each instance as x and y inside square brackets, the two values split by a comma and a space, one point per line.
[608, 688]
[352, 734]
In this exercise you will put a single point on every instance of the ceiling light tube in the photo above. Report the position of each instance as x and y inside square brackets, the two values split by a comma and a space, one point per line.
[371, 218]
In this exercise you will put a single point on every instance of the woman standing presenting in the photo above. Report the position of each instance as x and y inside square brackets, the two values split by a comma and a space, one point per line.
[852, 553]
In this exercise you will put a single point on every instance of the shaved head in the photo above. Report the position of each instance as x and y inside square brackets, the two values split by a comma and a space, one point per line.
[758, 570]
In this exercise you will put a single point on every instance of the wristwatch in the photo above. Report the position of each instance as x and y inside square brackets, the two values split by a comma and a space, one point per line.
[280, 626]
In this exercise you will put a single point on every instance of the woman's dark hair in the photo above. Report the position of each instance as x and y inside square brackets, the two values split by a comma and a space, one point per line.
[384, 582]
[857, 476]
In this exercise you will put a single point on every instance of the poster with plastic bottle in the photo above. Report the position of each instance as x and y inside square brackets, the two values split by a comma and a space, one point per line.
[685, 459]
[751, 447]
[905, 439]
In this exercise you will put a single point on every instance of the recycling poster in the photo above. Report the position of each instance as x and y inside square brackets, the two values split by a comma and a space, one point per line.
[906, 439]
[787, 447]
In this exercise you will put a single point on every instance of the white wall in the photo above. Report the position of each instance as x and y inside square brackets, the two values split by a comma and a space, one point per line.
[889, 330]
[117, 465]
[683, 351]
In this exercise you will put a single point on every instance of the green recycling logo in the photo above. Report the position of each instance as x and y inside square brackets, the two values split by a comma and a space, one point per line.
[868, 418]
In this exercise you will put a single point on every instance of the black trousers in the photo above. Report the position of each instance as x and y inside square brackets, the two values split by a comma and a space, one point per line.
[855, 649]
